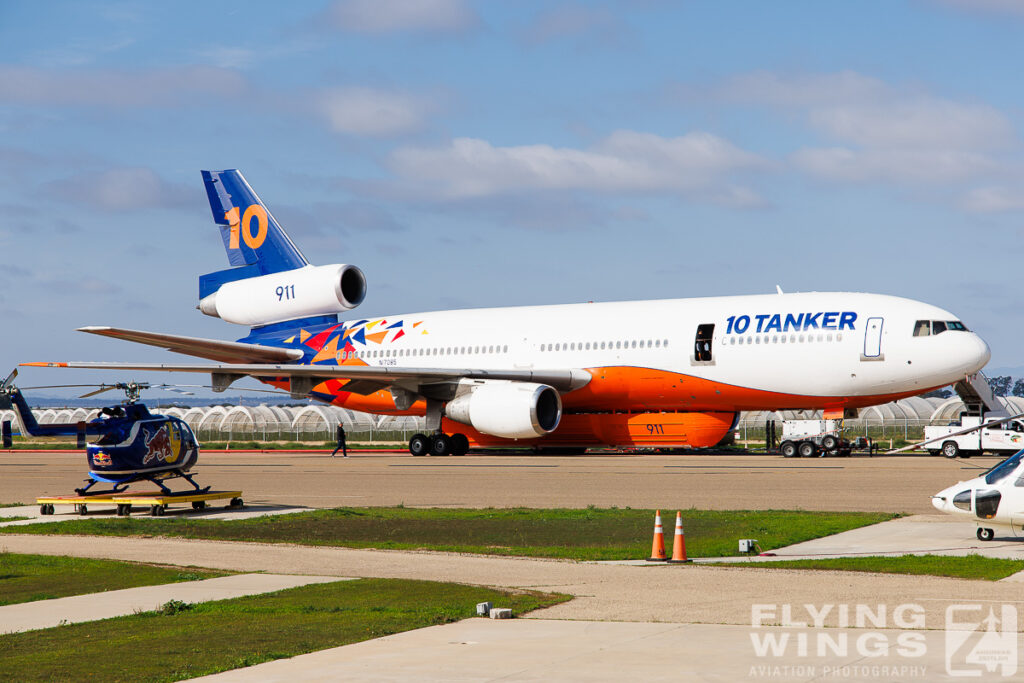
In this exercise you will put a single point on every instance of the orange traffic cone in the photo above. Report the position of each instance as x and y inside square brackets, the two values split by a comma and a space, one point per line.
[679, 542]
[658, 545]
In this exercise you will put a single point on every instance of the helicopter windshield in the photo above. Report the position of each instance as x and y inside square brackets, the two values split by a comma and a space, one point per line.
[1003, 469]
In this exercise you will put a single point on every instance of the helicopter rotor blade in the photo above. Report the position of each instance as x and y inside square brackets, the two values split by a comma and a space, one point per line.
[10, 379]
[98, 391]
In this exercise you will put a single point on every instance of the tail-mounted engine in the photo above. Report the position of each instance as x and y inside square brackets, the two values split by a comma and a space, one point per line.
[300, 293]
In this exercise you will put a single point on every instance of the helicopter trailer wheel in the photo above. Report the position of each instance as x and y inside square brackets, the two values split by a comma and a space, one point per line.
[236, 503]
[986, 534]
[83, 509]
[199, 505]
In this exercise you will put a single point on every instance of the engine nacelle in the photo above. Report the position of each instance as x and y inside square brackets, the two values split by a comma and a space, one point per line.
[512, 410]
[299, 293]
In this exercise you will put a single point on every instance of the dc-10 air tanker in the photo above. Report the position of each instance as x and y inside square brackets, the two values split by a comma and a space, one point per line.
[660, 373]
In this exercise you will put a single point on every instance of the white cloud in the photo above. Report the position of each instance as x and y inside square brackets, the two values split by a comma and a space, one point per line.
[924, 122]
[901, 165]
[116, 88]
[573, 20]
[887, 134]
[626, 161]
[367, 111]
[994, 199]
[394, 16]
[124, 189]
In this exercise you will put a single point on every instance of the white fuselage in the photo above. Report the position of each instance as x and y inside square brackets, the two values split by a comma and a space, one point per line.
[764, 352]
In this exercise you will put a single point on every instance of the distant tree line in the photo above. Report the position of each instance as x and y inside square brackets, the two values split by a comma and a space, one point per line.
[1001, 386]
[1006, 386]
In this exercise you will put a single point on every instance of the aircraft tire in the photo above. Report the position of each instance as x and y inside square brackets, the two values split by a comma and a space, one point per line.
[950, 449]
[440, 444]
[986, 534]
[460, 444]
[419, 444]
[788, 449]
[807, 449]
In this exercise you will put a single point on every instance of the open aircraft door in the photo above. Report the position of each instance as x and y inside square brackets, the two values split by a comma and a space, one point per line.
[873, 340]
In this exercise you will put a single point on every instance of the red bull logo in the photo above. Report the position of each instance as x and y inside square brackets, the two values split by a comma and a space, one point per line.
[158, 446]
[100, 459]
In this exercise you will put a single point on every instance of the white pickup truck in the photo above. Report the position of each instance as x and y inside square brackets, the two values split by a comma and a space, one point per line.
[1007, 437]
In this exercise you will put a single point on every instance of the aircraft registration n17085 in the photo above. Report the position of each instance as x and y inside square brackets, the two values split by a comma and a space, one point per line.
[673, 372]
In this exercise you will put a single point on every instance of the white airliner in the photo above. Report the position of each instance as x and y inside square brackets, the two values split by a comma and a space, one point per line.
[672, 372]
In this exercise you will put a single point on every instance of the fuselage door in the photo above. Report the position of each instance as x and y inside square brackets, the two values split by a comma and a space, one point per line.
[702, 344]
[873, 339]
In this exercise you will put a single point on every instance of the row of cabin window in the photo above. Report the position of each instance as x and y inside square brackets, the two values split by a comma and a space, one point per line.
[586, 346]
[781, 339]
[437, 351]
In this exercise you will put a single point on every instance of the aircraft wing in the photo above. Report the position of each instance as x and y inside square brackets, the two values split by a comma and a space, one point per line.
[364, 379]
[212, 349]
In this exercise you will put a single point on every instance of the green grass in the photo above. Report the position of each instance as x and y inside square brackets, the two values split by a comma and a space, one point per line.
[26, 578]
[969, 567]
[183, 641]
[587, 534]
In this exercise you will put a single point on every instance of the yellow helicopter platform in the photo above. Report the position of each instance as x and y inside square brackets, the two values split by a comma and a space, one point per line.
[157, 501]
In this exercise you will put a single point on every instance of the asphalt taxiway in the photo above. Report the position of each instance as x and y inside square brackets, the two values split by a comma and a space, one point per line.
[720, 482]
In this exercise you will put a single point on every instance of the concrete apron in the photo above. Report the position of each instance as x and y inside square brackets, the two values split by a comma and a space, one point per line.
[544, 650]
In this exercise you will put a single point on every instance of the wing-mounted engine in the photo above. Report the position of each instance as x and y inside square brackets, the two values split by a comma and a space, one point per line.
[513, 410]
[287, 295]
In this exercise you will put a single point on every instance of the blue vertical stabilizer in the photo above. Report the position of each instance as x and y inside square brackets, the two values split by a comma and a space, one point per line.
[253, 239]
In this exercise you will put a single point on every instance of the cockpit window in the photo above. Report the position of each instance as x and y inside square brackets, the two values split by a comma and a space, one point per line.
[925, 328]
[1003, 469]
[986, 503]
[963, 500]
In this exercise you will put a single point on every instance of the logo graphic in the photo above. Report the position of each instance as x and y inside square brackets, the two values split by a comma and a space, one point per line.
[100, 459]
[981, 640]
[160, 446]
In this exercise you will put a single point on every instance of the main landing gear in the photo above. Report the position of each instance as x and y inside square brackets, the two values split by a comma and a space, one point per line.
[438, 444]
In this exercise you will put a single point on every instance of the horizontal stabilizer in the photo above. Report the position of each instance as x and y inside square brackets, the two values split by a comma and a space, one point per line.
[211, 349]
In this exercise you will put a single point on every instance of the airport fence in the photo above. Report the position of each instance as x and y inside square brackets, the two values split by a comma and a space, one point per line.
[286, 432]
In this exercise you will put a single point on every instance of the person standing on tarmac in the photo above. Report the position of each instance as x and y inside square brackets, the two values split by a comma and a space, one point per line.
[340, 435]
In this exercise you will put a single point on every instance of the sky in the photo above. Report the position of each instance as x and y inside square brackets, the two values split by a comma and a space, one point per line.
[468, 154]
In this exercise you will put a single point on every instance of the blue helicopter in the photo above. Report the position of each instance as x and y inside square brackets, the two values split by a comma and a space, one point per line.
[131, 444]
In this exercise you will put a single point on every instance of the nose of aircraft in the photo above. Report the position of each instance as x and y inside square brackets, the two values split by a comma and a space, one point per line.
[981, 353]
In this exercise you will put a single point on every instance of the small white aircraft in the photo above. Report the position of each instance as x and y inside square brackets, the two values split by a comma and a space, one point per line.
[994, 499]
